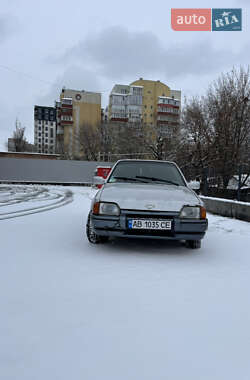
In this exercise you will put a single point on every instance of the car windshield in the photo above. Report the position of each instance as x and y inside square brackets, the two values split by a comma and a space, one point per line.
[147, 171]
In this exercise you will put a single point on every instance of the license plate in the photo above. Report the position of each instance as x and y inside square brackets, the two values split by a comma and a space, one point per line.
[149, 224]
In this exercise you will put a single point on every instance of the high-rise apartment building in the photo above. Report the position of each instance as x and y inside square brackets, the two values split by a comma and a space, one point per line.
[45, 129]
[64, 119]
[75, 110]
[161, 105]
[146, 101]
[125, 103]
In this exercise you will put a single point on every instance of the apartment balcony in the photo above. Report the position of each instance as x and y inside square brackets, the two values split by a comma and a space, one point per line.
[67, 106]
[167, 112]
[159, 121]
[167, 116]
[59, 131]
[67, 113]
[66, 122]
[66, 102]
[167, 122]
[135, 119]
[170, 106]
[119, 119]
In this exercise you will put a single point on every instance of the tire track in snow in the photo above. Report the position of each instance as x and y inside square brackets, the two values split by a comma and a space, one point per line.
[29, 194]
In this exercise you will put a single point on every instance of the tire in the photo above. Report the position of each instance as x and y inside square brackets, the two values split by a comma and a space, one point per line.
[93, 238]
[194, 244]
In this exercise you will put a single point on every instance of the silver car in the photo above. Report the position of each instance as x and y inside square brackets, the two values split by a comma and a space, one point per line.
[146, 199]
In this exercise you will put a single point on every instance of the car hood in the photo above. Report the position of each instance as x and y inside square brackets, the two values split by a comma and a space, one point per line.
[153, 197]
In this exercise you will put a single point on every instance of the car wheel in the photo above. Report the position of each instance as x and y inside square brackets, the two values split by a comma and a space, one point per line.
[194, 244]
[92, 236]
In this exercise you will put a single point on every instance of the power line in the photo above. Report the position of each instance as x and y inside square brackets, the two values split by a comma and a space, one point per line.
[25, 74]
[32, 77]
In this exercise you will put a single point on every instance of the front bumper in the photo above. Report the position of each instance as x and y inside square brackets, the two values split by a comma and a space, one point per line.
[117, 226]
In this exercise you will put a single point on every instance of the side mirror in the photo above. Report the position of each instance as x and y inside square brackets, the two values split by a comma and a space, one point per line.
[97, 180]
[194, 185]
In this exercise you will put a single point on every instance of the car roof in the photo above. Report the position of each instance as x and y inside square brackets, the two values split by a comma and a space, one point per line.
[135, 160]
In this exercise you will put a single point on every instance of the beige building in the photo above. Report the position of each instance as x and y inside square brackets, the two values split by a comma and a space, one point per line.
[160, 105]
[75, 110]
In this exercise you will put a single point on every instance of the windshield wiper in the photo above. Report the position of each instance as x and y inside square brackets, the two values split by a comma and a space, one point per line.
[135, 179]
[159, 180]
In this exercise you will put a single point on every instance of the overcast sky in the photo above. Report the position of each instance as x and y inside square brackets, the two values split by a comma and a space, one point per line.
[92, 45]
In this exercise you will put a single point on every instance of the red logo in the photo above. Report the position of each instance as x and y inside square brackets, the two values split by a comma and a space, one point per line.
[191, 19]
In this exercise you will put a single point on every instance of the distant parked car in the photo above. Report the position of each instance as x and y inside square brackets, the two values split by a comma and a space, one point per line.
[146, 199]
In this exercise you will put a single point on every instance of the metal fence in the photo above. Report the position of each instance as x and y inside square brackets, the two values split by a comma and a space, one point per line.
[221, 182]
[48, 171]
[212, 178]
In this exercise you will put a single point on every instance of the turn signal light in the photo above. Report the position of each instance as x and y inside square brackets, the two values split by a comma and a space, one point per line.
[96, 208]
[203, 213]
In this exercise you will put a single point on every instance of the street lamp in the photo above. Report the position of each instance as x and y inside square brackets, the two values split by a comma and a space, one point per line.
[244, 101]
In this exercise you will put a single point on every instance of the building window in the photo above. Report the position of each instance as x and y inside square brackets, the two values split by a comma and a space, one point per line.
[46, 134]
[51, 132]
[51, 141]
[51, 123]
[39, 134]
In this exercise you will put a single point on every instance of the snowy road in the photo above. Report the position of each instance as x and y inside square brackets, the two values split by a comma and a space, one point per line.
[132, 309]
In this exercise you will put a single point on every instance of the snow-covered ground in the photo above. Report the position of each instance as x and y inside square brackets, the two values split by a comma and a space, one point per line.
[20, 200]
[129, 309]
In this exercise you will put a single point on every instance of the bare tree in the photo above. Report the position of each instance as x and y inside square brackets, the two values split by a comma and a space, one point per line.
[20, 143]
[160, 141]
[126, 138]
[195, 130]
[88, 140]
[216, 127]
[120, 140]
[229, 111]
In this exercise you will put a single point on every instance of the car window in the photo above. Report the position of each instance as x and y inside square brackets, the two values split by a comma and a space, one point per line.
[155, 170]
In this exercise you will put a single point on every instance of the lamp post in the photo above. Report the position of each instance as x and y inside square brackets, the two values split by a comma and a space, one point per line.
[244, 101]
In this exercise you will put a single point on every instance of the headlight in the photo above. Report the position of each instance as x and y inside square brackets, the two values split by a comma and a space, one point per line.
[106, 208]
[193, 212]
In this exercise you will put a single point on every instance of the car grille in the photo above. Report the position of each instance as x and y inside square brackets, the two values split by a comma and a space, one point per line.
[149, 232]
[146, 215]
